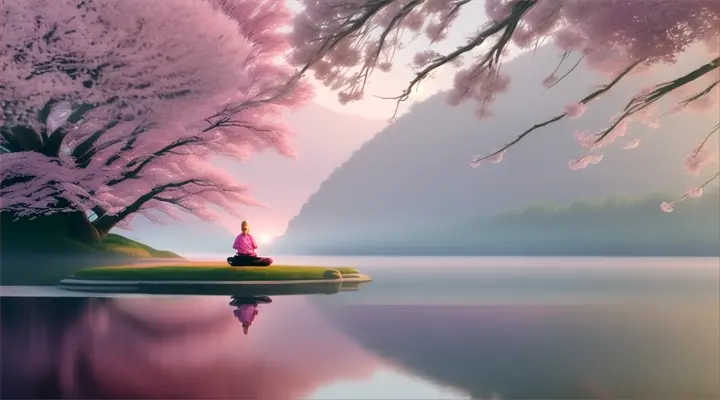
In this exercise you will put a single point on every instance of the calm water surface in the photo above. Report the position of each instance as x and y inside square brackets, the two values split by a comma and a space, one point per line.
[459, 328]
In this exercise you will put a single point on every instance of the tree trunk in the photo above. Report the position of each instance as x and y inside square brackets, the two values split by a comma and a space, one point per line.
[81, 229]
[104, 224]
[105, 221]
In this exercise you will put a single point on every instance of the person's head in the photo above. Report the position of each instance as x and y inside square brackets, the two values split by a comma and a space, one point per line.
[246, 327]
[245, 227]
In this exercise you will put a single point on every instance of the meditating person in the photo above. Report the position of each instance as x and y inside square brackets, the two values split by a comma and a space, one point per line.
[245, 246]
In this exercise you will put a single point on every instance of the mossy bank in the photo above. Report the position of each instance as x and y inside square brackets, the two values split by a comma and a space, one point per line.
[41, 253]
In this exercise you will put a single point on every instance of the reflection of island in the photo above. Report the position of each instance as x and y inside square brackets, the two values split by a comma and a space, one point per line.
[168, 348]
[247, 309]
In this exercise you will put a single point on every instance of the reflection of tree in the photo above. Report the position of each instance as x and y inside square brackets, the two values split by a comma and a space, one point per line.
[175, 348]
[541, 352]
[29, 344]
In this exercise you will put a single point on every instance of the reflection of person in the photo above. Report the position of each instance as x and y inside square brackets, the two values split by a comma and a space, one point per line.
[247, 309]
[245, 313]
[245, 247]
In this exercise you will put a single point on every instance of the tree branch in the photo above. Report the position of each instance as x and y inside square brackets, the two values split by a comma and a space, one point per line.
[709, 135]
[129, 144]
[84, 152]
[565, 75]
[140, 165]
[700, 94]
[21, 138]
[562, 59]
[507, 25]
[638, 104]
[585, 100]
[52, 146]
[668, 207]
[369, 65]
[106, 221]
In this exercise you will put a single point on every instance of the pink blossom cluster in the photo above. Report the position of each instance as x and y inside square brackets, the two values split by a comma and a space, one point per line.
[691, 193]
[619, 128]
[698, 159]
[41, 182]
[595, 141]
[481, 84]
[584, 161]
[340, 40]
[142, 95]
[610, 33]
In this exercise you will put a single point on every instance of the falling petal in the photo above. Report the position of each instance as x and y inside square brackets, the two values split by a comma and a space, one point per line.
[633, 144]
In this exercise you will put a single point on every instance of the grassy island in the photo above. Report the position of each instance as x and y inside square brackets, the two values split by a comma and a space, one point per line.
[211, 271]
[215, 278]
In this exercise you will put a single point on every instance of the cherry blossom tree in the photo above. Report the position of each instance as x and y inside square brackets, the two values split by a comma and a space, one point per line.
[343, 42]
[116, 108]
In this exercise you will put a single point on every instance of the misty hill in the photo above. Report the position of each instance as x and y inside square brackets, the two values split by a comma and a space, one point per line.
[613, 226]
[414, 175]
[323, 140]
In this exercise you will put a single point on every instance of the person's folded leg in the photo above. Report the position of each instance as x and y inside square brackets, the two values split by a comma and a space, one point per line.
[263, 261]
[249, 261]
[240, 260]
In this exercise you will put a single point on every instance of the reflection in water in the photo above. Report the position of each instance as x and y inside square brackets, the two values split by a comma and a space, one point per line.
[390, 384]
[247, 309]
[541, 333]
[169, 348]
[547, 352]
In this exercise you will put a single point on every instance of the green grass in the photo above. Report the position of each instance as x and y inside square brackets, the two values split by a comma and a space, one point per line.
[208, 272]
[24, 236]
[123, 246]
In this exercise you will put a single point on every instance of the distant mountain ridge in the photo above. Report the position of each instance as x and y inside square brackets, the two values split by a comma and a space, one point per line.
[414, 175]
[607, 227]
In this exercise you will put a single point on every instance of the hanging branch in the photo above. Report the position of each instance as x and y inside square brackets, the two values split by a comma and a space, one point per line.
[535, 127]
[507, 26]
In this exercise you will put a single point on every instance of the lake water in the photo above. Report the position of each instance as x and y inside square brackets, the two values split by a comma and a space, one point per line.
[425, 328]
